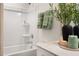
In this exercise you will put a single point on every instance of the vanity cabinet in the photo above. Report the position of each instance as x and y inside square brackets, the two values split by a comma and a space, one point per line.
[43, 52]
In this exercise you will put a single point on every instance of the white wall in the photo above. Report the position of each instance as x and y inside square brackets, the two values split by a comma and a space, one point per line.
[40, 34]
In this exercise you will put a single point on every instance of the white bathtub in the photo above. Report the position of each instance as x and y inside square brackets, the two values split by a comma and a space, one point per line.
[20, 50]
[29, 52]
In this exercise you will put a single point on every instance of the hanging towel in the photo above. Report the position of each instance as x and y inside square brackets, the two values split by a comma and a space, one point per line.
[40, 20]
[50, 22]
[45, 22]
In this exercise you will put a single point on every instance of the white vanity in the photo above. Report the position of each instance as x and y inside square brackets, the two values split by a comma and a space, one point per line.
[53, 49]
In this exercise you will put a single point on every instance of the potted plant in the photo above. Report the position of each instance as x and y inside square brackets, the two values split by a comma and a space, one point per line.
[76, 21]
[64, 14]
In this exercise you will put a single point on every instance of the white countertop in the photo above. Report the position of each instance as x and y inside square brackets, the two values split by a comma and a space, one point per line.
[54, 48]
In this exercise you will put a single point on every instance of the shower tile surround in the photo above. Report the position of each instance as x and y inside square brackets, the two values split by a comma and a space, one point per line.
[14, 30]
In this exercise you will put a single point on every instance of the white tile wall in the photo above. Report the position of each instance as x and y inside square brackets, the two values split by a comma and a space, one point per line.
[40, 34]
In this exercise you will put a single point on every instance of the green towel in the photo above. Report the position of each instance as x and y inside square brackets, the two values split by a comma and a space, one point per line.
[45, 22]
[40, 20]
[50, 22]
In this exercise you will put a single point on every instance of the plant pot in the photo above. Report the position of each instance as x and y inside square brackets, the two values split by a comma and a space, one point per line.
[66, 31]
[76, 30]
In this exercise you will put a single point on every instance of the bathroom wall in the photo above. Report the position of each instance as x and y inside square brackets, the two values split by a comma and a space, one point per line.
[41, 34]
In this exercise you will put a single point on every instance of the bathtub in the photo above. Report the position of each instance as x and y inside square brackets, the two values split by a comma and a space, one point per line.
[20, 50]
[29, 52]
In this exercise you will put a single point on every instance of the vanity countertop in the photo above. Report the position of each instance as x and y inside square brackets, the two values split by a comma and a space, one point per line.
[53, 47]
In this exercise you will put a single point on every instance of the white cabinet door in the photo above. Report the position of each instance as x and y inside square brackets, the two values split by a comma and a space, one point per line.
[43, 52]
